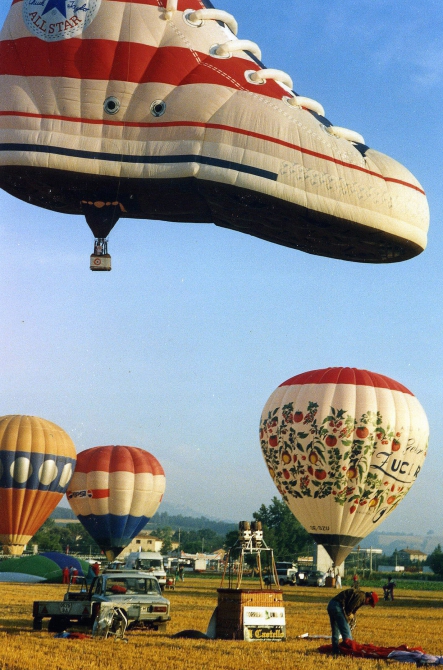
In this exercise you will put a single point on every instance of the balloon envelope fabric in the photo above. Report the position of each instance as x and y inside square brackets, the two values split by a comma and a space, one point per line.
[45, 567]
[343, 447]
[154, 109]
[114, 492]
[37, 459]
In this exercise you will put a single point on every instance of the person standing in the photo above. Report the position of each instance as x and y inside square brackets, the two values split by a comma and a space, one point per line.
[342, 609]
[355, 581]
[388, 589]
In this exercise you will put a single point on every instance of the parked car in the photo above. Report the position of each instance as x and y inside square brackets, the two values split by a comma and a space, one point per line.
[316, 578]
[149, 561]
[136, 593]
[284, 577]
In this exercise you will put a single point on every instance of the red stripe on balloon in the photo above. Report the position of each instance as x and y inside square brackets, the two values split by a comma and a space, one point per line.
[118, 459]
[124, 61]
[99, 493]
[214, 126]
[182, 4]
[346, 376]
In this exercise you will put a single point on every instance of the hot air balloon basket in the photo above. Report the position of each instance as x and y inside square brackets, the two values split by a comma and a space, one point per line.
[250, 614]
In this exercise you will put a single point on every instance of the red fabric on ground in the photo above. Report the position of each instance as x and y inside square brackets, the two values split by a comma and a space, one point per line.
[353, 648]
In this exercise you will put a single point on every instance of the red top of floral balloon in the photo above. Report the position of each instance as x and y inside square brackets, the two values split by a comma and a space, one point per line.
[346, 376]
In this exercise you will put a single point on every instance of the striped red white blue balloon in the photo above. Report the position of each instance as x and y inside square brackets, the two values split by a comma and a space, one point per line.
[114, 492]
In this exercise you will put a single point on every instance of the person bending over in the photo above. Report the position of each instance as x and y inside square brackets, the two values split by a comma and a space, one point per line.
[342, 609]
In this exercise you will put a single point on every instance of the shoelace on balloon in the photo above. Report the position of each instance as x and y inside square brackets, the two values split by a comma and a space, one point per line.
[196, 18]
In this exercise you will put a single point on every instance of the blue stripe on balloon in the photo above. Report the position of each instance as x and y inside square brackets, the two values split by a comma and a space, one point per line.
[7, 481]
[64, 560]
[146, 160]
[111, 530]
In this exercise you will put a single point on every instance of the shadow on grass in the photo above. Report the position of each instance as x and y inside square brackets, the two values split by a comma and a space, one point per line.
[16, 627]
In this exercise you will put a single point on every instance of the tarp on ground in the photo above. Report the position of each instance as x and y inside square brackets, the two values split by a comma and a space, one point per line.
[353, 648]
[45, 567]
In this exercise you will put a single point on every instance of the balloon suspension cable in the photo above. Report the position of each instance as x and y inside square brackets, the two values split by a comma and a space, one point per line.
[226, 562]
[259, 570]
[100, 246]
[250, 541]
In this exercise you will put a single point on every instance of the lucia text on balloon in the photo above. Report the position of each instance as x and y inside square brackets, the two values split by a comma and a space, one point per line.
[387, 467]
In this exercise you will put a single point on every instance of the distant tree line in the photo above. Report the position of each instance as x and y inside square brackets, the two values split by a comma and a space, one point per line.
[185, 523]
[71, 538]
[435, 561]
[282, 532]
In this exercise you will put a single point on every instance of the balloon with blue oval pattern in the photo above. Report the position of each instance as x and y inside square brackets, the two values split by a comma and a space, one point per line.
[343, 447]
[114, 492]
[37, 459]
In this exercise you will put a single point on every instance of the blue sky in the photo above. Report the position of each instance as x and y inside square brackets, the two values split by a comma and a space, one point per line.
[179, 347]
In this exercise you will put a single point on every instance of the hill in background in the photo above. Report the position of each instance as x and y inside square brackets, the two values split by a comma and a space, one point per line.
[175, 518]
[186, 519]
[389, 542]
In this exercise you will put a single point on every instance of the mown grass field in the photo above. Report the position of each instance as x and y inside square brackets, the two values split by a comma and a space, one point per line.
[415, 618]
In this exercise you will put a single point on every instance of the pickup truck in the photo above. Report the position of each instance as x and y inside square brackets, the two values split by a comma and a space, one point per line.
[135, 592]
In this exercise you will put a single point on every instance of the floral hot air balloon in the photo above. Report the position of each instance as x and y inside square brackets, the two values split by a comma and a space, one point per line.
[153, 109]
[114, 492]
[37, 459]
[343, 446]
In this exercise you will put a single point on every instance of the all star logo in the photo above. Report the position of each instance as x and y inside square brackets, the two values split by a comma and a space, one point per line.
[55, 20]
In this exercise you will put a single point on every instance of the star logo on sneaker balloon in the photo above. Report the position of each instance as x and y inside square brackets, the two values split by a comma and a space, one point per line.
[56, 20]
[60, 5]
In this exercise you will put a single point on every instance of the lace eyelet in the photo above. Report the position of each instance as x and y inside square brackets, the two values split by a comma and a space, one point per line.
[186, 19]
[111, 105]
[158, 107]
[250, 80]
[214, 54]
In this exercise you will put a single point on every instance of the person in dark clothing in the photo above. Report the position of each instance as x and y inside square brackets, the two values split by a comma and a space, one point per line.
[388, 589]
[342, 609]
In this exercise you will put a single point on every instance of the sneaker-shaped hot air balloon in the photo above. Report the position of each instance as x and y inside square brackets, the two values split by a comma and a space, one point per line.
[114, 492]
[343, 446]
[154, 109]
[37, 459]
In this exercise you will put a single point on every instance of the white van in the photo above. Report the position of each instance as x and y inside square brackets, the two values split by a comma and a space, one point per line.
[148, 561]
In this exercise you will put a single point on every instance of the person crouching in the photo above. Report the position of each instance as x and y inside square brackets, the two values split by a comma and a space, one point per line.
[342, 609]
